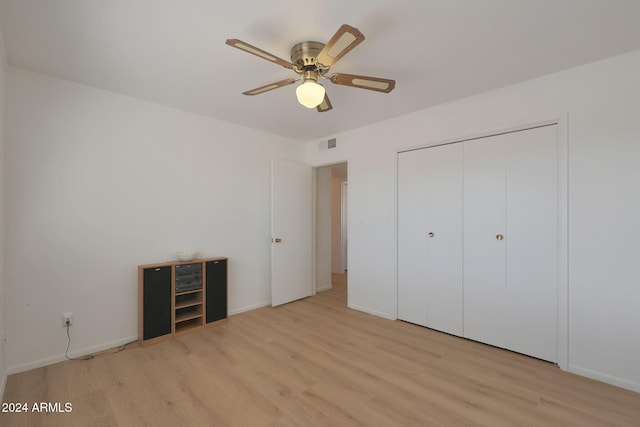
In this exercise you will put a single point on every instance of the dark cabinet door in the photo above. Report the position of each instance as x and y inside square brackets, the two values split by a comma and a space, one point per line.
[156, 303]
[216, 304]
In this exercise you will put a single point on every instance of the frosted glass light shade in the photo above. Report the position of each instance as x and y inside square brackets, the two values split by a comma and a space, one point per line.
[310, 94]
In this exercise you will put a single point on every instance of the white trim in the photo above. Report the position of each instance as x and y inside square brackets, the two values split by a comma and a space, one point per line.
[344, 224]
[249, 308]
[314, 230]
[324, 288]
[369, 311]
[77, 353]
[609, 379]
[393, 297]
[563, 249]
[562, 122]
[3, 385]
[394, 293]
[493, 131]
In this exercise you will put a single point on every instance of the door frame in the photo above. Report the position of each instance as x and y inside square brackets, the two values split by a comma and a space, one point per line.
[315, 201]
[563, 230]
[344, 223]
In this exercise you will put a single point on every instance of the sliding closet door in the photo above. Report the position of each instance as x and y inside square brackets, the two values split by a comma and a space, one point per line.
[485, 296]
[532, 242]
[443, 219]
[511, 240]
[430, 237]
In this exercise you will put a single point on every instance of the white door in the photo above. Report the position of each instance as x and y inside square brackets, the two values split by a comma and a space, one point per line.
[430, 237]
[292, 232]
[511, 223]
[444, 238]
[532, 242]
[485, 291]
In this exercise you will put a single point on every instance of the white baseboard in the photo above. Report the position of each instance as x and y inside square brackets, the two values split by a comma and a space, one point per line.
[249, 308]
[3, 384]
[90, 350]
[60, 358]
[373, 312]
[609, 379]
[324, 288]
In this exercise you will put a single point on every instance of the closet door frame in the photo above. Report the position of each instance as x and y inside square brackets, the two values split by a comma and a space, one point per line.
[563, 172]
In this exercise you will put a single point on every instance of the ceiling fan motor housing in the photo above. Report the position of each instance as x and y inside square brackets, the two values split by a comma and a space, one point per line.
[303, 55]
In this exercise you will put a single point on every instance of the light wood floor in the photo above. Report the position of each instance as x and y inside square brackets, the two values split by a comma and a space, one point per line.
[315, 362]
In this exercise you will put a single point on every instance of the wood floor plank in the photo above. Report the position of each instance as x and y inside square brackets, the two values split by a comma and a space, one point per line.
[315, 362]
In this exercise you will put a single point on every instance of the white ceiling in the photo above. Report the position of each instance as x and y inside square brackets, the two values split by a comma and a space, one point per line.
[172, 52]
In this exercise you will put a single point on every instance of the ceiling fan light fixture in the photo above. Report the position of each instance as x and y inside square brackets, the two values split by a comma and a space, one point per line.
[312, 60]
[310, 93]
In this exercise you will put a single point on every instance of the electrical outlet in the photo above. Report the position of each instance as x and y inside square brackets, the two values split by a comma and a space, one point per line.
[67, 317]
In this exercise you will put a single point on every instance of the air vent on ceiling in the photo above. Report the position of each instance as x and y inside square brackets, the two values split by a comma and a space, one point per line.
[331, 143]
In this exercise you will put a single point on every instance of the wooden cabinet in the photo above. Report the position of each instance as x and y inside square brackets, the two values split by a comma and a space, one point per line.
[478, 239]
[180, 297]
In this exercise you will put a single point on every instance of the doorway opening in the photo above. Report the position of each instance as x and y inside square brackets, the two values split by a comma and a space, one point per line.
[331, 226]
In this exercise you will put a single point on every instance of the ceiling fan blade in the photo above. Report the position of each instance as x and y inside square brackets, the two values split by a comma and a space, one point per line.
[325, 105]
[345, 39]
[364, 82]
[269, 87]
[239, 44]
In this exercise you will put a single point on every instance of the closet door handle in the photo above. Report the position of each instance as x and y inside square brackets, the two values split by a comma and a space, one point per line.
[499, 237]
[431, 234]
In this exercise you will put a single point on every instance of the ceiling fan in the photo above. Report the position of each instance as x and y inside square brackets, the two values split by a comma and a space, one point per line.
[312, 61]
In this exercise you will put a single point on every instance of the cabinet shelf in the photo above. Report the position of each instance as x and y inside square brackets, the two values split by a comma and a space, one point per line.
[188, 325]
[195, 291]
[188, 313]
[188, 299]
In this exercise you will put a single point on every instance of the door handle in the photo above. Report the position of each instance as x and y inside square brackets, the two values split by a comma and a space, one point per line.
[277, 240]
[431, 234]
[499, 237]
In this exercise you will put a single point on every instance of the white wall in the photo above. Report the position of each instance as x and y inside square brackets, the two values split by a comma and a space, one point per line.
[3, 69]
[602, 101]
[98, 183]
